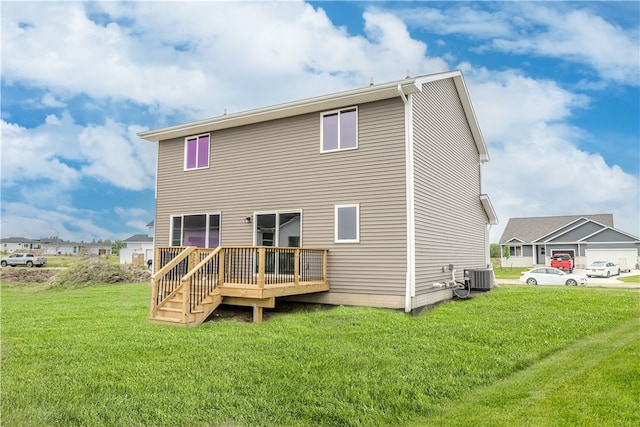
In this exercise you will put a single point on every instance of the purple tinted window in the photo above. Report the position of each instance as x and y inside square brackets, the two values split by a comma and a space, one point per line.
[197, 152]
[190, 162]
[330, 132]
[348, 129]
[203, 151]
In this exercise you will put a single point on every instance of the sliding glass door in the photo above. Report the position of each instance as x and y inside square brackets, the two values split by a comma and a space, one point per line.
[281, 229]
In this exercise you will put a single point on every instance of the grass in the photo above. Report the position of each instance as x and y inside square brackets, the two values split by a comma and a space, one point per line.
[509, 272]
[630, 279]
[89, 357]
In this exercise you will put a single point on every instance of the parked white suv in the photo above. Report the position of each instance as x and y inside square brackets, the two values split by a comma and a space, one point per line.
[30, 260]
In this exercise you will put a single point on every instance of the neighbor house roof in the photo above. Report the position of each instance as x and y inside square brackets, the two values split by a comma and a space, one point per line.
[527, 230]
[139, 238]
[18, 240]
[400, 88]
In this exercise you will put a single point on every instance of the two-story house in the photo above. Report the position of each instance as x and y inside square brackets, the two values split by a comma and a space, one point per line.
[384, 180]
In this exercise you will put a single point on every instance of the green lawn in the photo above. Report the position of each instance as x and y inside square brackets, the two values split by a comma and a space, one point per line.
[630, 279]
[546, 355]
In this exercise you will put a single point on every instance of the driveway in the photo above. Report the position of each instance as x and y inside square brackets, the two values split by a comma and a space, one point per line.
[592, 282]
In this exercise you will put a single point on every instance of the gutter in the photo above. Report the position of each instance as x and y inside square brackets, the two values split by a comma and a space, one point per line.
[410, 280]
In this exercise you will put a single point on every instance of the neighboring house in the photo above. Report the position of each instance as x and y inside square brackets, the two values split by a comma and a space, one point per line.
[386, 177]
[64, 247]
[12, 244]
[587, 238]
[139, 248]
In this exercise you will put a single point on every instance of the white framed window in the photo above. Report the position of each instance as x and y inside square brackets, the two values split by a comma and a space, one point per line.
[196, 152]
[515, 250]
[347, 223]
[339, 130]
[200, 230]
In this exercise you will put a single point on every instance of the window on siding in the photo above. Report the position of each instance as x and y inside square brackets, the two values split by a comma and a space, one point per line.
[347, 223]
[339, 130]
[202, 231]
[515, 250]
[196, 152]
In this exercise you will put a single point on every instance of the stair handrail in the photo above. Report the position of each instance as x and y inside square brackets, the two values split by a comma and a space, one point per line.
[186, 279]
[175, 261]
[186, 252]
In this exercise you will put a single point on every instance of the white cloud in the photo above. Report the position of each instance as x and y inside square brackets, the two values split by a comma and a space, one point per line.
[18, 219]
[582, 37]
[39, 153]
[537, 167]
[63, 153]
[575, 34]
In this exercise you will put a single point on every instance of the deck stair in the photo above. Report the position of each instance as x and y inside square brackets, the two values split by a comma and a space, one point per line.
[190, 283]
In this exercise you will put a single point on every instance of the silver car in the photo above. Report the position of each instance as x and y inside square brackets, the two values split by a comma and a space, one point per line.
[602, 269]
[551, 276]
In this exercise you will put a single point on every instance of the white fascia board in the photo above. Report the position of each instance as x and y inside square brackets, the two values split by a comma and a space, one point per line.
[488, 209]
[322, 103]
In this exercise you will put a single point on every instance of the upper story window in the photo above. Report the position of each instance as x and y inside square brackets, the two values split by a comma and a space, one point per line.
[196, 152]
[339, 130]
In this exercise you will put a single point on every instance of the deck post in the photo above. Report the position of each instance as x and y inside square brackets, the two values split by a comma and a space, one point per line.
[221, 256]
[261, 266]
[324, 266]
[257, 313]
[296, 267]
[186, 296]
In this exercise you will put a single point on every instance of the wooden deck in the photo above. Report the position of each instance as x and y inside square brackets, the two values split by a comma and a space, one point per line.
[190, 283]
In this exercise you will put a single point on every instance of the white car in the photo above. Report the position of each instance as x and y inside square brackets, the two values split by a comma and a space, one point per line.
[602, 269]
[551, 276]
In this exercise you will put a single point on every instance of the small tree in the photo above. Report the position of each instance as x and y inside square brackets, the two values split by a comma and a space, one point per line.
[494, 250]
[116, 246]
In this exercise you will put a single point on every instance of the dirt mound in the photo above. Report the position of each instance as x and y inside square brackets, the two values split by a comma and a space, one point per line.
[26, 275]
[84, 272]
[95, 270]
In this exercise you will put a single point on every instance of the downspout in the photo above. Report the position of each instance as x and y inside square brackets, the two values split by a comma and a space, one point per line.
[410, 291]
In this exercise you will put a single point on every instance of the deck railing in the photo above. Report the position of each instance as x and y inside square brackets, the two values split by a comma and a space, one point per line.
[203, 270]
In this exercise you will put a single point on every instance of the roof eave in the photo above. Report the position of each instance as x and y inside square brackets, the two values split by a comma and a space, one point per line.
[488, 208]
[322, 103]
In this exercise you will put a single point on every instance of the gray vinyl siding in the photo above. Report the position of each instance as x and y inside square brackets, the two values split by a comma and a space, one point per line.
[611, 236]
[277, 166]
[577, 233]
[450, 223]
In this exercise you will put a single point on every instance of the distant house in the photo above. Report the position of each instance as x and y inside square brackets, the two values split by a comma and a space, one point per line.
[139, 249]
[12, 244]
[50, 246]
[379, 186]
[587, 238]
[66, 247]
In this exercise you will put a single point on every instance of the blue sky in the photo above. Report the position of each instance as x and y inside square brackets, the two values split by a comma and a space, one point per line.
[555, 87]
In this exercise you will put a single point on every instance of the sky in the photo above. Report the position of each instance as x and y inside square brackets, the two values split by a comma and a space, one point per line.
[554, 85]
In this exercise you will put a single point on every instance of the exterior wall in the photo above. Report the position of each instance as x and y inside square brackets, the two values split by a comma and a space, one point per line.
[517, 261]
[126, 254]
[450, 221]
[277, 166]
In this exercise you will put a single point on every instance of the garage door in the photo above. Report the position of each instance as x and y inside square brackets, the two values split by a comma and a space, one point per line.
[626, 258]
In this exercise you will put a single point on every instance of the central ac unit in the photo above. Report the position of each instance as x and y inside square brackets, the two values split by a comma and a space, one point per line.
[479, 279]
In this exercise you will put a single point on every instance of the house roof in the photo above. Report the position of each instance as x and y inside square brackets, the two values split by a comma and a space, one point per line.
[528, 230]
[18, 240]
[400, 88]
[139, 238]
